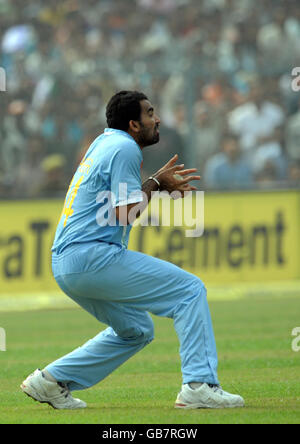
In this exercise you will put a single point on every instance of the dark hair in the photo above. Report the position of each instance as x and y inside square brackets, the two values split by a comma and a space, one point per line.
[230, 136]
[123, 107]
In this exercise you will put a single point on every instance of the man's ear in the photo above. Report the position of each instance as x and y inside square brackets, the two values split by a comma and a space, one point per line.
[134, 126]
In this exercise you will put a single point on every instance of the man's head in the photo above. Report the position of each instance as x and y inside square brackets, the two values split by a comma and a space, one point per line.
[131, 111]
[231, 147]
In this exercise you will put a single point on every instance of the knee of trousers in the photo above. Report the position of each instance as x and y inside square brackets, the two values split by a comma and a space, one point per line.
[195, 289]
[197, 286]
[138, 334]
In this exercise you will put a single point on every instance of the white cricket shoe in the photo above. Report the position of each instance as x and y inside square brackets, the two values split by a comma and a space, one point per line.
[207, 397]
[55, 394]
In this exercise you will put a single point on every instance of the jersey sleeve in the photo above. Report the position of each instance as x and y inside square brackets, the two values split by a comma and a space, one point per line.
[126, 183]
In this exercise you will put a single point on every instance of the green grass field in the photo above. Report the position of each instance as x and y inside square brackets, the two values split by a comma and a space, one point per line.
[256, 360]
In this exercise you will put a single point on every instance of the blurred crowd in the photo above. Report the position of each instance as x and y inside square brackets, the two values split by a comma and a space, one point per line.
[219, 73]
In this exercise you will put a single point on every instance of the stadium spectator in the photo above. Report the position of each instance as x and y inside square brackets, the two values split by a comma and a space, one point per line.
[271, 150]
[13, 141]
[292, 135]
[228, 169]
[208, 133]
[55, 183]
[255, 120]
[159, 6]
[30, 174]
[267, 174]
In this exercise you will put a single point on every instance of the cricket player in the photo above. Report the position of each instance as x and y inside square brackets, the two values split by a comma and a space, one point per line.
[92, 265]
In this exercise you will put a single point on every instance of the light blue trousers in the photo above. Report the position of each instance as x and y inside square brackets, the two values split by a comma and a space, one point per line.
[119, 287]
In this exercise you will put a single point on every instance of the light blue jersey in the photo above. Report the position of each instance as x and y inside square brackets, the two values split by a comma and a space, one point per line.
[109, 176]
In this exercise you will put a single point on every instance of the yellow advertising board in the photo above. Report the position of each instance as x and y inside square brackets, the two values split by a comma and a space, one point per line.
[248, 237]
[26, 236]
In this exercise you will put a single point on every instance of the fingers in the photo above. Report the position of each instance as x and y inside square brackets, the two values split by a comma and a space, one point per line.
[184, 172]
[172, 161]
[180, 175]
[176, 167]
[189, 178]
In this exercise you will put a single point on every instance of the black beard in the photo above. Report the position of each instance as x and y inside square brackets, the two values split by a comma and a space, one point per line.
[145, 140]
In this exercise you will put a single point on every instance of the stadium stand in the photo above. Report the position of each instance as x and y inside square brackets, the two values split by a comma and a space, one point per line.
[215, 70]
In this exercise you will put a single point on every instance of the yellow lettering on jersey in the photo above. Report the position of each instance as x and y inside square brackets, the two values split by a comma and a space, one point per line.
[84, 169]
[68, 210]
[85, 165]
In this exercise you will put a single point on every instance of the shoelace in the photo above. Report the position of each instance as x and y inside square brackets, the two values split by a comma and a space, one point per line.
[216, 388]
[65, 391]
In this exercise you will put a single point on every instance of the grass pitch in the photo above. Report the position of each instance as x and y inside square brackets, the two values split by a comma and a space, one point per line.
[256, 360]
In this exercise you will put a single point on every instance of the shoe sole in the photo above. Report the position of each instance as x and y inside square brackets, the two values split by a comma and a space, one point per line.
[30, 395]
[202, 406]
